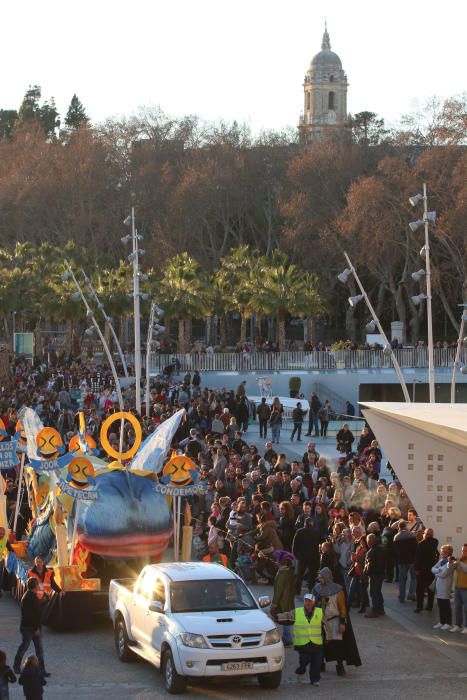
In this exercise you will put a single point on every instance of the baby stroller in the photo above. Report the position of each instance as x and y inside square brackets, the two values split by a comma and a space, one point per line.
[245, 568]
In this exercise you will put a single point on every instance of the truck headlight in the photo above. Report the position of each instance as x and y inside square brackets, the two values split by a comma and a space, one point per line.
[272, 637]
[196, 641]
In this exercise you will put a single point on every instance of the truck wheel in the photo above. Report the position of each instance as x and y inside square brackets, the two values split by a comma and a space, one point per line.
[122, 644]
[270, 681]
[174, 683]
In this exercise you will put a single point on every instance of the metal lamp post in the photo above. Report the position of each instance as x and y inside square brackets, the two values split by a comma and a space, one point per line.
[428, 217]
[387, 350]
[134, 258]
[109, 322]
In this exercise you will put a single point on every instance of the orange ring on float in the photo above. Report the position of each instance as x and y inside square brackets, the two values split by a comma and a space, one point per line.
[121, 415]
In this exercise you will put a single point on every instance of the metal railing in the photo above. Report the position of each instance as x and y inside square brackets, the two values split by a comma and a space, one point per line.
[301, 360]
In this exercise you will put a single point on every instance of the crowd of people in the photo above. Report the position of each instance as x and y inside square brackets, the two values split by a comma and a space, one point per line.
[264, 514]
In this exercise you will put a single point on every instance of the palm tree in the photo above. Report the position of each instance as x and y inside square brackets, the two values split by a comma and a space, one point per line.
[112, 286]
[184, 293]
[311, 303]
[237, 278]
[217, 303]
[282, 288]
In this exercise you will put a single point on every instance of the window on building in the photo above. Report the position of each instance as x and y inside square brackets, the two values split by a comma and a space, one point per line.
[308, 101]
[332, 100]
[331, 78]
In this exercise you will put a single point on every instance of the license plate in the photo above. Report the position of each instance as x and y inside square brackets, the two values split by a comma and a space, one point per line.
[234, 666]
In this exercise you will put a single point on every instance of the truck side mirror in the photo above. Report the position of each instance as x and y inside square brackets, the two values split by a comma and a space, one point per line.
[156, 606]
[264, 601]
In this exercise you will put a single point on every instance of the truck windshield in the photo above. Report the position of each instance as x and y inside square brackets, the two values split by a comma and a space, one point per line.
[201, 596]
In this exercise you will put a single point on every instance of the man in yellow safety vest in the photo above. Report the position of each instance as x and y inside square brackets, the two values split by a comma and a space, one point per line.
[308, 638]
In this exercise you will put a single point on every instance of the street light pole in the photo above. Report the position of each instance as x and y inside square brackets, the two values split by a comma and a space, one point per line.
[395, 363]
[148, 354]
[109, 322]
[431, 364]
[136, 312]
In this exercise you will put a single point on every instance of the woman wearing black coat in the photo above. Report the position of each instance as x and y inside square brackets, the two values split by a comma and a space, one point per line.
[285, 528]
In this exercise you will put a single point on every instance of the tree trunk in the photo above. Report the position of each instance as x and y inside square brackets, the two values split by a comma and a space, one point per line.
[257, 328]
[207, 330]
[68, 335]
[121, 331]
[37, 339]
[243, 320]
[271, 329]
[188, 334]
[280, 318]
[7, 331]
[311, 330]
[223, 331]
[108, 336]
[181, 335]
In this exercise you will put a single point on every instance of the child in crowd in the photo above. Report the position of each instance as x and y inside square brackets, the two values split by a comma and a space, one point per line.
[32, 679]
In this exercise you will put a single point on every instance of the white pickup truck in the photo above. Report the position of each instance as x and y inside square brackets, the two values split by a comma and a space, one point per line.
[195, 620]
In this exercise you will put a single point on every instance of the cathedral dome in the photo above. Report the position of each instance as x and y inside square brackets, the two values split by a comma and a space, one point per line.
[326, 59]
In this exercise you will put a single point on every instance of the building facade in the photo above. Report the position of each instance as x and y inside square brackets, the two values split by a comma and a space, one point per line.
[325, 96]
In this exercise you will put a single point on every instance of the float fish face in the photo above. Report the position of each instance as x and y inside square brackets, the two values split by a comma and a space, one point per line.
[49, 443]
[20, 435]
[80, 473]
[74, 444]
[179, 471]
[129, 519]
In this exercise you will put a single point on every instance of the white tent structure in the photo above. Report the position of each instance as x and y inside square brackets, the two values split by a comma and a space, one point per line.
[427, 446]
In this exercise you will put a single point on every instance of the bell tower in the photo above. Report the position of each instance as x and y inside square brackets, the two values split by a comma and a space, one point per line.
[325, 95]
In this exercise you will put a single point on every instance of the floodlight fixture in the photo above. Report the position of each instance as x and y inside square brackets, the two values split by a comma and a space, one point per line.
[430, 216]
[158, 310]
[90, 313]
[464, 369]
[418, 298]
[76, 296]
[415, 199]
[125, 239]
[419, 275]
[387, 350]
[344, 276]
[144, 296]
[415, 225]
[142, 277]
[131, 257]
[66, 276]
[370, 327]
[128, 220]
[423, 252]
[353, 301]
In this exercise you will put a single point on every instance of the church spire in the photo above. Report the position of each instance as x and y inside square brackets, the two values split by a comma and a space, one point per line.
[326, 43]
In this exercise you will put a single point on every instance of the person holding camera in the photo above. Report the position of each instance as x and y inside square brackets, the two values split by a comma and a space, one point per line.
[444, 575]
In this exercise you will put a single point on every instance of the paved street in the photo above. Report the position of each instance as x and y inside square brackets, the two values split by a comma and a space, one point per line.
[401, 654]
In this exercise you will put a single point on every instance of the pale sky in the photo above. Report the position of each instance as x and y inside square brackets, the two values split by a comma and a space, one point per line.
[242, 60]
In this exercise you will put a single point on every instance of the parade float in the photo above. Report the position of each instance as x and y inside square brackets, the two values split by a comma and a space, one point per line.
[92, 520]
